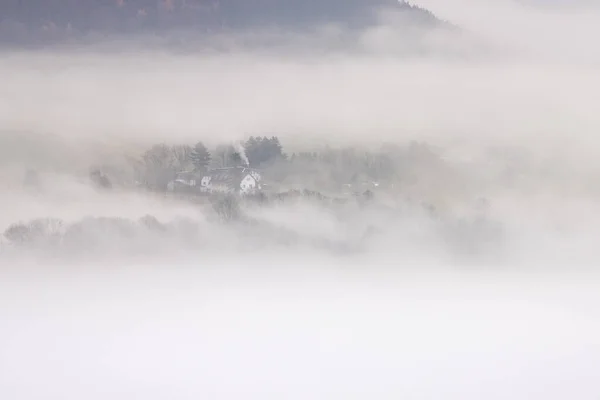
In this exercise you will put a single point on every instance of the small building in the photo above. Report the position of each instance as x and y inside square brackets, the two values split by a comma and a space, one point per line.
[237, 180]
[185, 181]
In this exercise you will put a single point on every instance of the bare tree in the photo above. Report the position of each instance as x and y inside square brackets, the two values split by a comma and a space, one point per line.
[182, 157]
[160, 166]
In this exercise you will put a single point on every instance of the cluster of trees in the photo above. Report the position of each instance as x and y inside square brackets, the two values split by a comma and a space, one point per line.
[161, 163]
[390, 164]
[328, 167]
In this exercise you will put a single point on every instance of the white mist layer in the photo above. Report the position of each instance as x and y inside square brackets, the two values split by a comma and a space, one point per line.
[257, 333]
[155, 97]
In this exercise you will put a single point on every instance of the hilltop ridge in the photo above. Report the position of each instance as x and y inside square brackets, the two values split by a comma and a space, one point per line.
[50, 20]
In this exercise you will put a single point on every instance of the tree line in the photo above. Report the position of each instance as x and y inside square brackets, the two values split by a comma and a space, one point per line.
[47, 20]
[161, 163]
[327, 166]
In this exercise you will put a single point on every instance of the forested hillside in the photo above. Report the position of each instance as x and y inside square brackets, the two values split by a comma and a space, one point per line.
[23, 21]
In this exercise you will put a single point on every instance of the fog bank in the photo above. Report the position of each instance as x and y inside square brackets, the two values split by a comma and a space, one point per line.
[470, 274]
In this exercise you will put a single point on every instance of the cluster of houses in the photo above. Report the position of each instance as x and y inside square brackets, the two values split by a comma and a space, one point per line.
[235, 180]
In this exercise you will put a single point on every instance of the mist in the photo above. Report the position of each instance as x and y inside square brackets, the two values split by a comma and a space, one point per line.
[421, 292]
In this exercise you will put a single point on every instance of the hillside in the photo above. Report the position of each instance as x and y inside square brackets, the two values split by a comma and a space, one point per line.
[48, 20]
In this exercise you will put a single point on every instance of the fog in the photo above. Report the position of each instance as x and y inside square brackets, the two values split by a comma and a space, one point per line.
[296, 332]
[131, 293]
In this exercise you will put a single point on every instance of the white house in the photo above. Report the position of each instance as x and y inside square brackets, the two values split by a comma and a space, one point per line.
[238, 180]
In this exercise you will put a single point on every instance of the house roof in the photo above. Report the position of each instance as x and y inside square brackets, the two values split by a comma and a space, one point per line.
[228, 175]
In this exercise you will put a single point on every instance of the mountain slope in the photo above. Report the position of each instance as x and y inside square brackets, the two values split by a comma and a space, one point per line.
[22, 21]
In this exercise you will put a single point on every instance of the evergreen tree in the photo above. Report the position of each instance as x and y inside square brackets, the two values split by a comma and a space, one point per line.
[200, 156]
[263, 151]
[235, 159]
